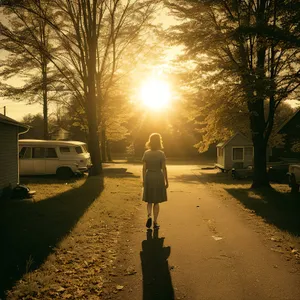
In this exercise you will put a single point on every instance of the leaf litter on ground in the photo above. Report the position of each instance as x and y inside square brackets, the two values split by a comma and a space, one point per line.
[82, 263]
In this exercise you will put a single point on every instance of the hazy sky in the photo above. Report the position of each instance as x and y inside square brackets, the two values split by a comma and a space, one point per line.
[17, 110]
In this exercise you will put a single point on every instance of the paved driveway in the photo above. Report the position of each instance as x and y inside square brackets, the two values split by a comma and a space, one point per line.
[205, 249]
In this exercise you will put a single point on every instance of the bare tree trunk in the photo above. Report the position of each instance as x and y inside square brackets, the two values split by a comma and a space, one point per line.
[108, 151]
[91, 107]
[256, 109]
[93, 137]
[260, 178]
[103, 144]
[258, 126]
[44, 64]
[45, 104]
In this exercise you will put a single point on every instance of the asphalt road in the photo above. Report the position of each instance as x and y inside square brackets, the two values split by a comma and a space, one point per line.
[204, 250]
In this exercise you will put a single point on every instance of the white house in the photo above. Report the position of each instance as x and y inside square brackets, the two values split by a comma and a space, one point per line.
[237, 152]
[9, 154]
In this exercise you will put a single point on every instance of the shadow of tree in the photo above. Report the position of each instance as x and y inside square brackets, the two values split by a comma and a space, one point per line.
[118, 173]
[29, 231]
[47, 179]
[279, 209]
[210, 176]
[157, 282]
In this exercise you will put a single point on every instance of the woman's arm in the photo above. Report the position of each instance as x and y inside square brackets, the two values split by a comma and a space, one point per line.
[164, 168]
[144, 172]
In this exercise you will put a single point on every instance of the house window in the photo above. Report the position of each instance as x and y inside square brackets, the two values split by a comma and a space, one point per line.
[248, 151]
[64, 149]
[38, 152]
[51, 153]
[237, 153]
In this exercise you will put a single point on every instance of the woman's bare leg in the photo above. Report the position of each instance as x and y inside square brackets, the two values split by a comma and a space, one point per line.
[149, 209]
[156, 211]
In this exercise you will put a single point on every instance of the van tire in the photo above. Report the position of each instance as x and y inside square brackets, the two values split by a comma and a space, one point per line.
[64, 173]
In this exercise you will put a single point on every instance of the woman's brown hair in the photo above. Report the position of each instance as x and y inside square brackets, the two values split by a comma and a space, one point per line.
[155, 142]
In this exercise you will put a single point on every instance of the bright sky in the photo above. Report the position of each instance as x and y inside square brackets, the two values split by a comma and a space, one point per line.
[17, 110]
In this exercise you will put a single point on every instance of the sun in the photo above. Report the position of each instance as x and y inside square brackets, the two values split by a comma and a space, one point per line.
[155, 94]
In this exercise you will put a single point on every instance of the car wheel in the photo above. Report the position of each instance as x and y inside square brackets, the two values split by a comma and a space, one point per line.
[64, 173]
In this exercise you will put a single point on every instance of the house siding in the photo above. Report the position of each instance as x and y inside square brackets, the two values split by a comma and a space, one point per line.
[220, 158]
[291, 130]
[8, 155]
[237, 141]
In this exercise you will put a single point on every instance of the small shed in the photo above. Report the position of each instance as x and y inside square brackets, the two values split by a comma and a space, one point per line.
[237, 153]
[9, 154]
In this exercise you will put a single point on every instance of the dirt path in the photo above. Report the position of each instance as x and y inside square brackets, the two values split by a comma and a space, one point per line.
[208, 247]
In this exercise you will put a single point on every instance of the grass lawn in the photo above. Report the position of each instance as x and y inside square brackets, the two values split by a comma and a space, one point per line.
[63, 245]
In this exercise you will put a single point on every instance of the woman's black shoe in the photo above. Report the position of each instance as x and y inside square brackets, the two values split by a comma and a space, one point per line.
[149, 223]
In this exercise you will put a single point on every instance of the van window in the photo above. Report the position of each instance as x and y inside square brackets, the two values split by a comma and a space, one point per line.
[22, 152]
[38, 152]
[79, 150]
[25, 152]
[64, 149]
[51, 153]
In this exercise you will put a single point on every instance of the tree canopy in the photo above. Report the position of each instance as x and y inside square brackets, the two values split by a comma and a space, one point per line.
[244, 61]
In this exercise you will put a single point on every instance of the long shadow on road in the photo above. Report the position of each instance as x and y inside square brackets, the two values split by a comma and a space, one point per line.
[157, 282]
[279, 209]
[30, 231]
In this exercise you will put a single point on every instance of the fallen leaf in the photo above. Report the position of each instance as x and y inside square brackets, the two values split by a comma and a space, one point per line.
[276, 239]
[67, 296]
[130, 271]
[119, 287]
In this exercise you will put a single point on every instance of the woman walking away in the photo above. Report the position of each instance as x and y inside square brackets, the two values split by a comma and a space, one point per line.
[155, 177]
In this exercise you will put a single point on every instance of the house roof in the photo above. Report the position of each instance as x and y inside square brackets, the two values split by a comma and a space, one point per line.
[223, 144]
[6, 120]
[288, 120]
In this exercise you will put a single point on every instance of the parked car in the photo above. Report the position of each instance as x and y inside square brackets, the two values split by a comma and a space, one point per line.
[63, 158]
[277, 172]
[294, 178]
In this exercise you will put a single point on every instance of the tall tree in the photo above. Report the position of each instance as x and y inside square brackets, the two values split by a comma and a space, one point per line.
[96, 38]
[247, 52]
[26, 41]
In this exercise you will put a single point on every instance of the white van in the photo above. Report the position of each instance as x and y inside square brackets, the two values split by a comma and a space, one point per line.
[63, 158]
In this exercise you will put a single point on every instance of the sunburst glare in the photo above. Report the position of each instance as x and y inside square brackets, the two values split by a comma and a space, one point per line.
[155, 94]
